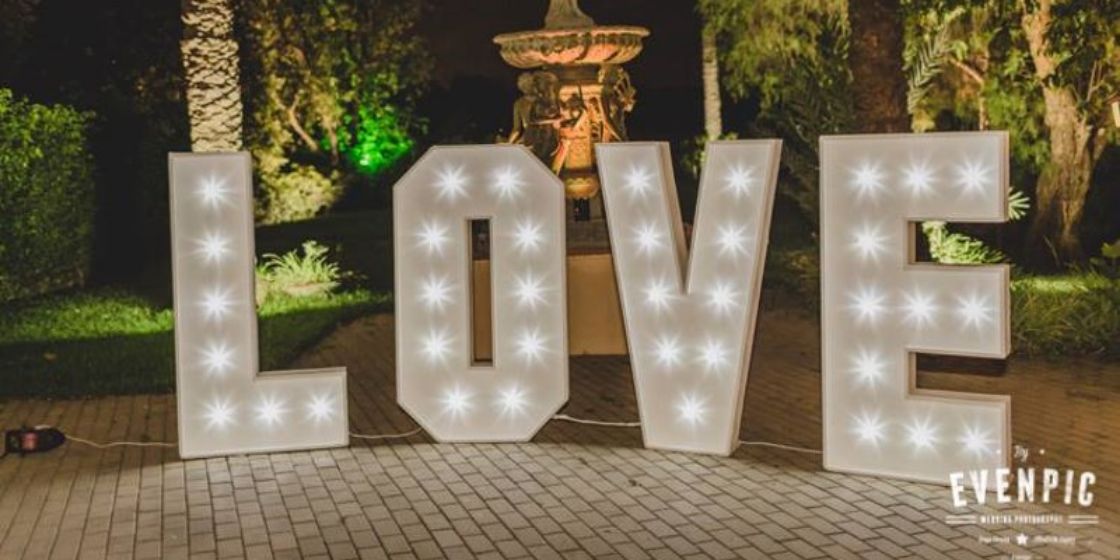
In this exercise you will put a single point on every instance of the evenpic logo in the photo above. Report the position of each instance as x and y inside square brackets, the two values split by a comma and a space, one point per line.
[1015, 505]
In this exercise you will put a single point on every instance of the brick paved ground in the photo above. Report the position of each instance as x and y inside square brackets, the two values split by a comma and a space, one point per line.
[575, 492]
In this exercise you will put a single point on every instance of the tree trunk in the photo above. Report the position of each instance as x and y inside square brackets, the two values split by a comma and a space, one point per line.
[1064, 184]
[213, 86]
[875, 60]
[713, 119]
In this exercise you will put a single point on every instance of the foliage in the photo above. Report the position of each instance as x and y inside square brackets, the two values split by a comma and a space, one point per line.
[762, 40]
[949, 247]
[46, 198]
[113, 342]
[119, 60]
[1046, 73]
[1108, 263]
[297, 275]
[1071, 315]
[801, 119]
[331, 87]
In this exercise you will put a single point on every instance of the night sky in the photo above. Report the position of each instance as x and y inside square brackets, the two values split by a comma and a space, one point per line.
[469, 69]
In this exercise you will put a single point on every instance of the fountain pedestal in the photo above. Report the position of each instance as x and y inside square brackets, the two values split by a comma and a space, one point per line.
[575, 94]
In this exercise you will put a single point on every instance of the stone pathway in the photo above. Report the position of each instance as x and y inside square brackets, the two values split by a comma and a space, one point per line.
[577, 491]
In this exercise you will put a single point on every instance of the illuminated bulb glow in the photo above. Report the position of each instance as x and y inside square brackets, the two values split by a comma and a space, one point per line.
[213, 247]
[723, 298]
[528, 237]
[869, 242]
[648, 238]
[639, 181]
[432, 237]
[739, 180]
[732, 240]
[868, 304]
[658, 294]
[919, 308]
[227, 407]
[531, 345]
[876, 419]
[976, 441]
[217, 358]
[973, 310]
[443, 381]
[529, 291]
[456, 402]
[435, 293]
[869, 428]
[868, 179]
[451, 183]
[507, 182]
[436, 345]
[320, 408]
[713, 354]
[219, 414]
[216, 303]
[688, 305]
[512, 402]
[918, 177]
[692, 410]
[869, 368]
[668, 351]
[213, 192]
[270, 411]
[972, 176]
[921, 434]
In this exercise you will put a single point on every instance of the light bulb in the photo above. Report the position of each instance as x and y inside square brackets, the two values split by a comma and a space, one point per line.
[527, 236]
[213, 247]
[739, 180]
[219, 414]
[868, 179]
[691, 409]
[507, 182]
[451, 183]
[432, 237]
[320, 408]
[647, 238]
[732, 240]
[869, 428]
[639, 181]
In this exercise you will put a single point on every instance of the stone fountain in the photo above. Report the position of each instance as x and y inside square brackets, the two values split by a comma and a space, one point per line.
[574, 94]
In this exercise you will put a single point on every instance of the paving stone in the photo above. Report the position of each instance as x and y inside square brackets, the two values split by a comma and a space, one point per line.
[576, 491]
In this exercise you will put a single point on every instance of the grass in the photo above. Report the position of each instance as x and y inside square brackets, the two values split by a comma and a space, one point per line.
[114, 342]
[1069, 315]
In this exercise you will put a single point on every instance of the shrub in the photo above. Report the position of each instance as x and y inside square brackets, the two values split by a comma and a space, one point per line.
[46, 198]
[296, 275]
[1070, 315]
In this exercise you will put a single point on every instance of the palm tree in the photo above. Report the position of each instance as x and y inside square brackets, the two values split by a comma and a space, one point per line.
[213, 85]
[709, 58]
[875, 60]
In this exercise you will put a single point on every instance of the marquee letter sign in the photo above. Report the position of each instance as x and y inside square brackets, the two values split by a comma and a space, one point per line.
[690, 330]
[225, 405]
[454, 397]
[879, 307]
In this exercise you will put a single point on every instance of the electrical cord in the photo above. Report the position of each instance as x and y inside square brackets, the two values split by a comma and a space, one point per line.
[781, 446]
[96, 445]
[387, 436]
[566, 418]
[560, 417]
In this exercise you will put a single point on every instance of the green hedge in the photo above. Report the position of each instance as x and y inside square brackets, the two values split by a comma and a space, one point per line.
[46, 198]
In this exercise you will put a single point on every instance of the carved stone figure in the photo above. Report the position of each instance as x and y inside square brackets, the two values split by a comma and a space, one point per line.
[579, 96]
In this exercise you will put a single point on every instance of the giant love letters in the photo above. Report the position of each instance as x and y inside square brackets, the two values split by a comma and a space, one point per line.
[689, 308]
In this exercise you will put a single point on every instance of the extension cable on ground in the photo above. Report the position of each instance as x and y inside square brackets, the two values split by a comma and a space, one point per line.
[46, 438]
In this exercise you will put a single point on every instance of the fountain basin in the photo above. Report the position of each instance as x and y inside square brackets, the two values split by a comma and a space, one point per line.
[604, 44]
